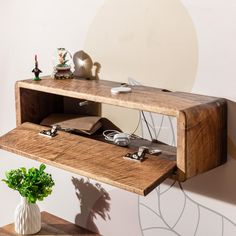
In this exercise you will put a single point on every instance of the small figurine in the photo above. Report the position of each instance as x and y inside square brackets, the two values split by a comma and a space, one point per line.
[36, 70]
[84, 66]
[62, 64]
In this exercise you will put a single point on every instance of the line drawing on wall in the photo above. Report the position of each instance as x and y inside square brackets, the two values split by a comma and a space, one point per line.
[155, 215]
[200, 219]
[154, 221]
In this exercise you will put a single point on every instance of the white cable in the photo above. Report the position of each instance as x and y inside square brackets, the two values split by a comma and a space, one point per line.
[109, 134]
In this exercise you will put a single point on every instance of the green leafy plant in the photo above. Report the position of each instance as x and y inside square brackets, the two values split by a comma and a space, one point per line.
[34, 184]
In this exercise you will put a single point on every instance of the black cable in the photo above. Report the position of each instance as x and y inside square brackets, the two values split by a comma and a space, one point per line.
[147, 125]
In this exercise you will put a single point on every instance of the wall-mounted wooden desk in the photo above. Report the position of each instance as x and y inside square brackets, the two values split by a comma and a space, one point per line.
[201, 132]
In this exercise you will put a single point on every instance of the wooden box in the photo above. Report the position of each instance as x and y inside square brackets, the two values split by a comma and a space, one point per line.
[201, 132]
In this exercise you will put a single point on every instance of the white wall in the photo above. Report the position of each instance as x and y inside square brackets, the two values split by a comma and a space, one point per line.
[181, 45]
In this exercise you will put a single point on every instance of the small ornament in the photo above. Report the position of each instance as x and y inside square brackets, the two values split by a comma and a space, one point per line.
[62, 64]
[84, 66]
[36, 70]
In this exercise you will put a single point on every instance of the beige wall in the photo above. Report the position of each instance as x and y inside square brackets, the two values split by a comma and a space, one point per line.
[182, 45]
[153, 42]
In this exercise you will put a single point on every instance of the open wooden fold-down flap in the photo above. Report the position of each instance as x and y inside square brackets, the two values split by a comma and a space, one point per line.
[89, 157]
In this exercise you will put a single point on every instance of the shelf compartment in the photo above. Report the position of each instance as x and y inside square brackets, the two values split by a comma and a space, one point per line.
[36, 105]
[91, 158]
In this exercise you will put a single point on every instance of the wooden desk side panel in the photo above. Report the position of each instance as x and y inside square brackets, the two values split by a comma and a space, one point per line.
[181, 157]
[204, 138]
[17, 104]
[33, 106]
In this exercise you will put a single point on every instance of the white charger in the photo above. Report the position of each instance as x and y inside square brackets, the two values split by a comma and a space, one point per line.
[118, 138]
[121, 139]
[116, 90]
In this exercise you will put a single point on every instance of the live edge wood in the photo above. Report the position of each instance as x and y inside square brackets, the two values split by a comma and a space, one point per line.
[51, 225]
[201, 131]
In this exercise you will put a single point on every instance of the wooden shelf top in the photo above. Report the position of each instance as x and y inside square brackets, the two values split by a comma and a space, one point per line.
[141, 97]
[91, 158]
[51, 225]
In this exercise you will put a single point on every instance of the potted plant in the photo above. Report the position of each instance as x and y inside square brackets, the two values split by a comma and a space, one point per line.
[32, 184]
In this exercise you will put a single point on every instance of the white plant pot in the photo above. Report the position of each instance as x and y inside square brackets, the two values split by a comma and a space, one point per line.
[27, 217]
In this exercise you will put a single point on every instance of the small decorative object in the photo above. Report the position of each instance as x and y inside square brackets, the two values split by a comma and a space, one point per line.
[36, 70]
[84, 65]
[33, 185]
[62, 64]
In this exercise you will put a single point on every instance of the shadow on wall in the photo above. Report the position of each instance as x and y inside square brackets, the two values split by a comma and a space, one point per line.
[94, 201]
[219, 183]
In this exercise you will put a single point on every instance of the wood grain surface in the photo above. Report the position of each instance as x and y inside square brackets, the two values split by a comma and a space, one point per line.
[201, 131]
[51, 225]
[141, 97]
[91, 158]
[202, 138]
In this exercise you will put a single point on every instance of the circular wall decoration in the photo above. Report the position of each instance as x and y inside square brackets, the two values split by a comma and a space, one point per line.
[153, 42]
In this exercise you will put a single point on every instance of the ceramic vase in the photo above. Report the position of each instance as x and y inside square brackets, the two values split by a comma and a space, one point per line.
[27, 217]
